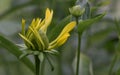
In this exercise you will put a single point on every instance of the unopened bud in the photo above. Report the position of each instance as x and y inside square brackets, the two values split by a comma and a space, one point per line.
[77, 10]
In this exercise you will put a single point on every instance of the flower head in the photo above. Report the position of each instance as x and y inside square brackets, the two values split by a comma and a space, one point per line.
[35, 37]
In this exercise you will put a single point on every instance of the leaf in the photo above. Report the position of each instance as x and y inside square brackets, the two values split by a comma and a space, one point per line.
[58, 28]
[85, 67]
[12, 48]
[87, 23]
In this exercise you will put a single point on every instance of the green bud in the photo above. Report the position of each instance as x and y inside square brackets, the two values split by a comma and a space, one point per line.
[77, 10]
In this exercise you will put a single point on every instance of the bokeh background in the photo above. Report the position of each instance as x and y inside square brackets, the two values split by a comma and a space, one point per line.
[97, 45]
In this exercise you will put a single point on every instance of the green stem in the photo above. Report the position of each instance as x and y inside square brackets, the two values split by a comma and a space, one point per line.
[112, 64]
[78, 51]
[37, 65]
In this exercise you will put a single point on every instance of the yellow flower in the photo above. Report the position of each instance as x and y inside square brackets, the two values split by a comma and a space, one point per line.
[35, 37]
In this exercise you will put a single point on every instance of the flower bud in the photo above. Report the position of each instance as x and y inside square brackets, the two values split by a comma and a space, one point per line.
[77, 10]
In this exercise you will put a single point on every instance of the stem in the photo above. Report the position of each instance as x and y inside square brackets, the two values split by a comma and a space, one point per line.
[112, 64]
[37, 65]
[78, 51]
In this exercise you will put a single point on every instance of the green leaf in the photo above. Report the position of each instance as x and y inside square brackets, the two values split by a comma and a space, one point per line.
[12, 48]
[87, 23]
[85, 66]
[58, 28]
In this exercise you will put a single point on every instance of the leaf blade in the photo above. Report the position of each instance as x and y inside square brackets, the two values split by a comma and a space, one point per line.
[87, 23]
[12, 48]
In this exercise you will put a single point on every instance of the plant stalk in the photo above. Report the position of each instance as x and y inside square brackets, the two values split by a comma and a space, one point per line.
[78, 51]
[37, 65]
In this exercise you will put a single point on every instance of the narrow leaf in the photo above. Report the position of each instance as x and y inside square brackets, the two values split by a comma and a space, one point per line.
[87, 23]
[12, 48]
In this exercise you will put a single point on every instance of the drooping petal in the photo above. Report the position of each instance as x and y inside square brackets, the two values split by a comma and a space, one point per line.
[66, 30]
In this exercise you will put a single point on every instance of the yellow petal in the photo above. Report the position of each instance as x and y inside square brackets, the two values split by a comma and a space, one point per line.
[27, 41]
[66, 30]
[29, 31]
[37, 36]
[37, 23]
[23, 26]
[48, 18]
[48, 13]
[63, 39]
[60, 41]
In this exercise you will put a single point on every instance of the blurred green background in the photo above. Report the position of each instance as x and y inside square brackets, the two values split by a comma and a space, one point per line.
[97, 45]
